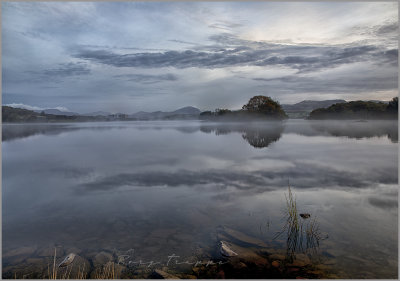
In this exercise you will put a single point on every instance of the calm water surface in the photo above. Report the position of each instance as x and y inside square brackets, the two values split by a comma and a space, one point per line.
[165, 188]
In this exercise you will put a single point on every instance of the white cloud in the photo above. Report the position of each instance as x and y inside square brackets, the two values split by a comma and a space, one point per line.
[31, 107]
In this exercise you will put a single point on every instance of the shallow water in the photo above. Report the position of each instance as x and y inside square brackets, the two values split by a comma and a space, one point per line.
[165, 188]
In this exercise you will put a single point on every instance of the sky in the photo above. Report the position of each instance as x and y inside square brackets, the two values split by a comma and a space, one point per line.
[136, 56]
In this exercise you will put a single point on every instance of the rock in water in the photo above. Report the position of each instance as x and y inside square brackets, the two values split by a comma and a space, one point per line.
[226, 251]
[305, 216]
[68, 260]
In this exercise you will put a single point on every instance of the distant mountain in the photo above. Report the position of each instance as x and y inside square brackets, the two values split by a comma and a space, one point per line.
[57, 112]
[97, 113]
[187, 112]
[309, 105]
[302, 109]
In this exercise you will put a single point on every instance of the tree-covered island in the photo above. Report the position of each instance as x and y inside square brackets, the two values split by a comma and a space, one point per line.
[258, 108]
[358, 110]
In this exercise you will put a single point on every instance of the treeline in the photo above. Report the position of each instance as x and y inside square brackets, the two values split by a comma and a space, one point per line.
[11, 114]
[358, 110]
[258, 108]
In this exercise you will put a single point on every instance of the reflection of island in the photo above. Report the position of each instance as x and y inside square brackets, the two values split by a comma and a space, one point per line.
[257, 135]
[358, 129]
[18, 131]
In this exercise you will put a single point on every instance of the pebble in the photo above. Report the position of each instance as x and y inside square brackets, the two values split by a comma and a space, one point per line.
[102, 258]
[275, 264]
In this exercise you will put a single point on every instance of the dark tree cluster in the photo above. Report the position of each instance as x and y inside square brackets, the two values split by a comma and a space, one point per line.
[358, 110]
[10, 114]
[258, 108]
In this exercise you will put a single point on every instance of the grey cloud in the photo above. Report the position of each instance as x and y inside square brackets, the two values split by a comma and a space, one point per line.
[183, 42]
[147, 79]
[114, 47]
[68, 69]
[63, 70]
[389, 56]
[336, 84]
[386, 29]
[35, 35]
[302, 58]
[225, 25]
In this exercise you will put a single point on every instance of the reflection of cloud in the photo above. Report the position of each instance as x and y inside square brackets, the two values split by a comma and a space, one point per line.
[359, 129]
[348, 128]
[301, 175]
[18, 131]
[383, 203]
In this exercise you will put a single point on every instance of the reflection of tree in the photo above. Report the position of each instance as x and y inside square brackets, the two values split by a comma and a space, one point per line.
[358, 130]
[17, 131]
[257, 135]
[260, 138]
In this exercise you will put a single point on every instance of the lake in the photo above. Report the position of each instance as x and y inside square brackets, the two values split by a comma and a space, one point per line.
[145, 191]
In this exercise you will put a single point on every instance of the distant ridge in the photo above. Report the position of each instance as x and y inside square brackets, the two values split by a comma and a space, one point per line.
[310, 105]
[187, 110]
[97, 113]
[302, 109]
[184, 113]
[54, 111]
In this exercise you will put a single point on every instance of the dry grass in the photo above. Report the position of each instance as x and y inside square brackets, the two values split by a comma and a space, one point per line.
[81, 274]
[106, 272]
[53, 273]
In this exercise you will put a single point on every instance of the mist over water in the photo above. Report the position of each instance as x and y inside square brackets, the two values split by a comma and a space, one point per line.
[166, 187]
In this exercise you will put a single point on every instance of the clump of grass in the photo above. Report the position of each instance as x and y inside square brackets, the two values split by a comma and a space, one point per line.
[313, 235]
[294, 227]
[292, 221]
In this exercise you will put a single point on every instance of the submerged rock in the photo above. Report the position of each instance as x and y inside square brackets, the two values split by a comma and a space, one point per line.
[68, 260]
[164, 275]
[102, 258]
[244, 238]
[226, 251]
[25, 251]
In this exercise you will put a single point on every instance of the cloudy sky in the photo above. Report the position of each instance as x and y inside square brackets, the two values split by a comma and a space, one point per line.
[132, 56]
